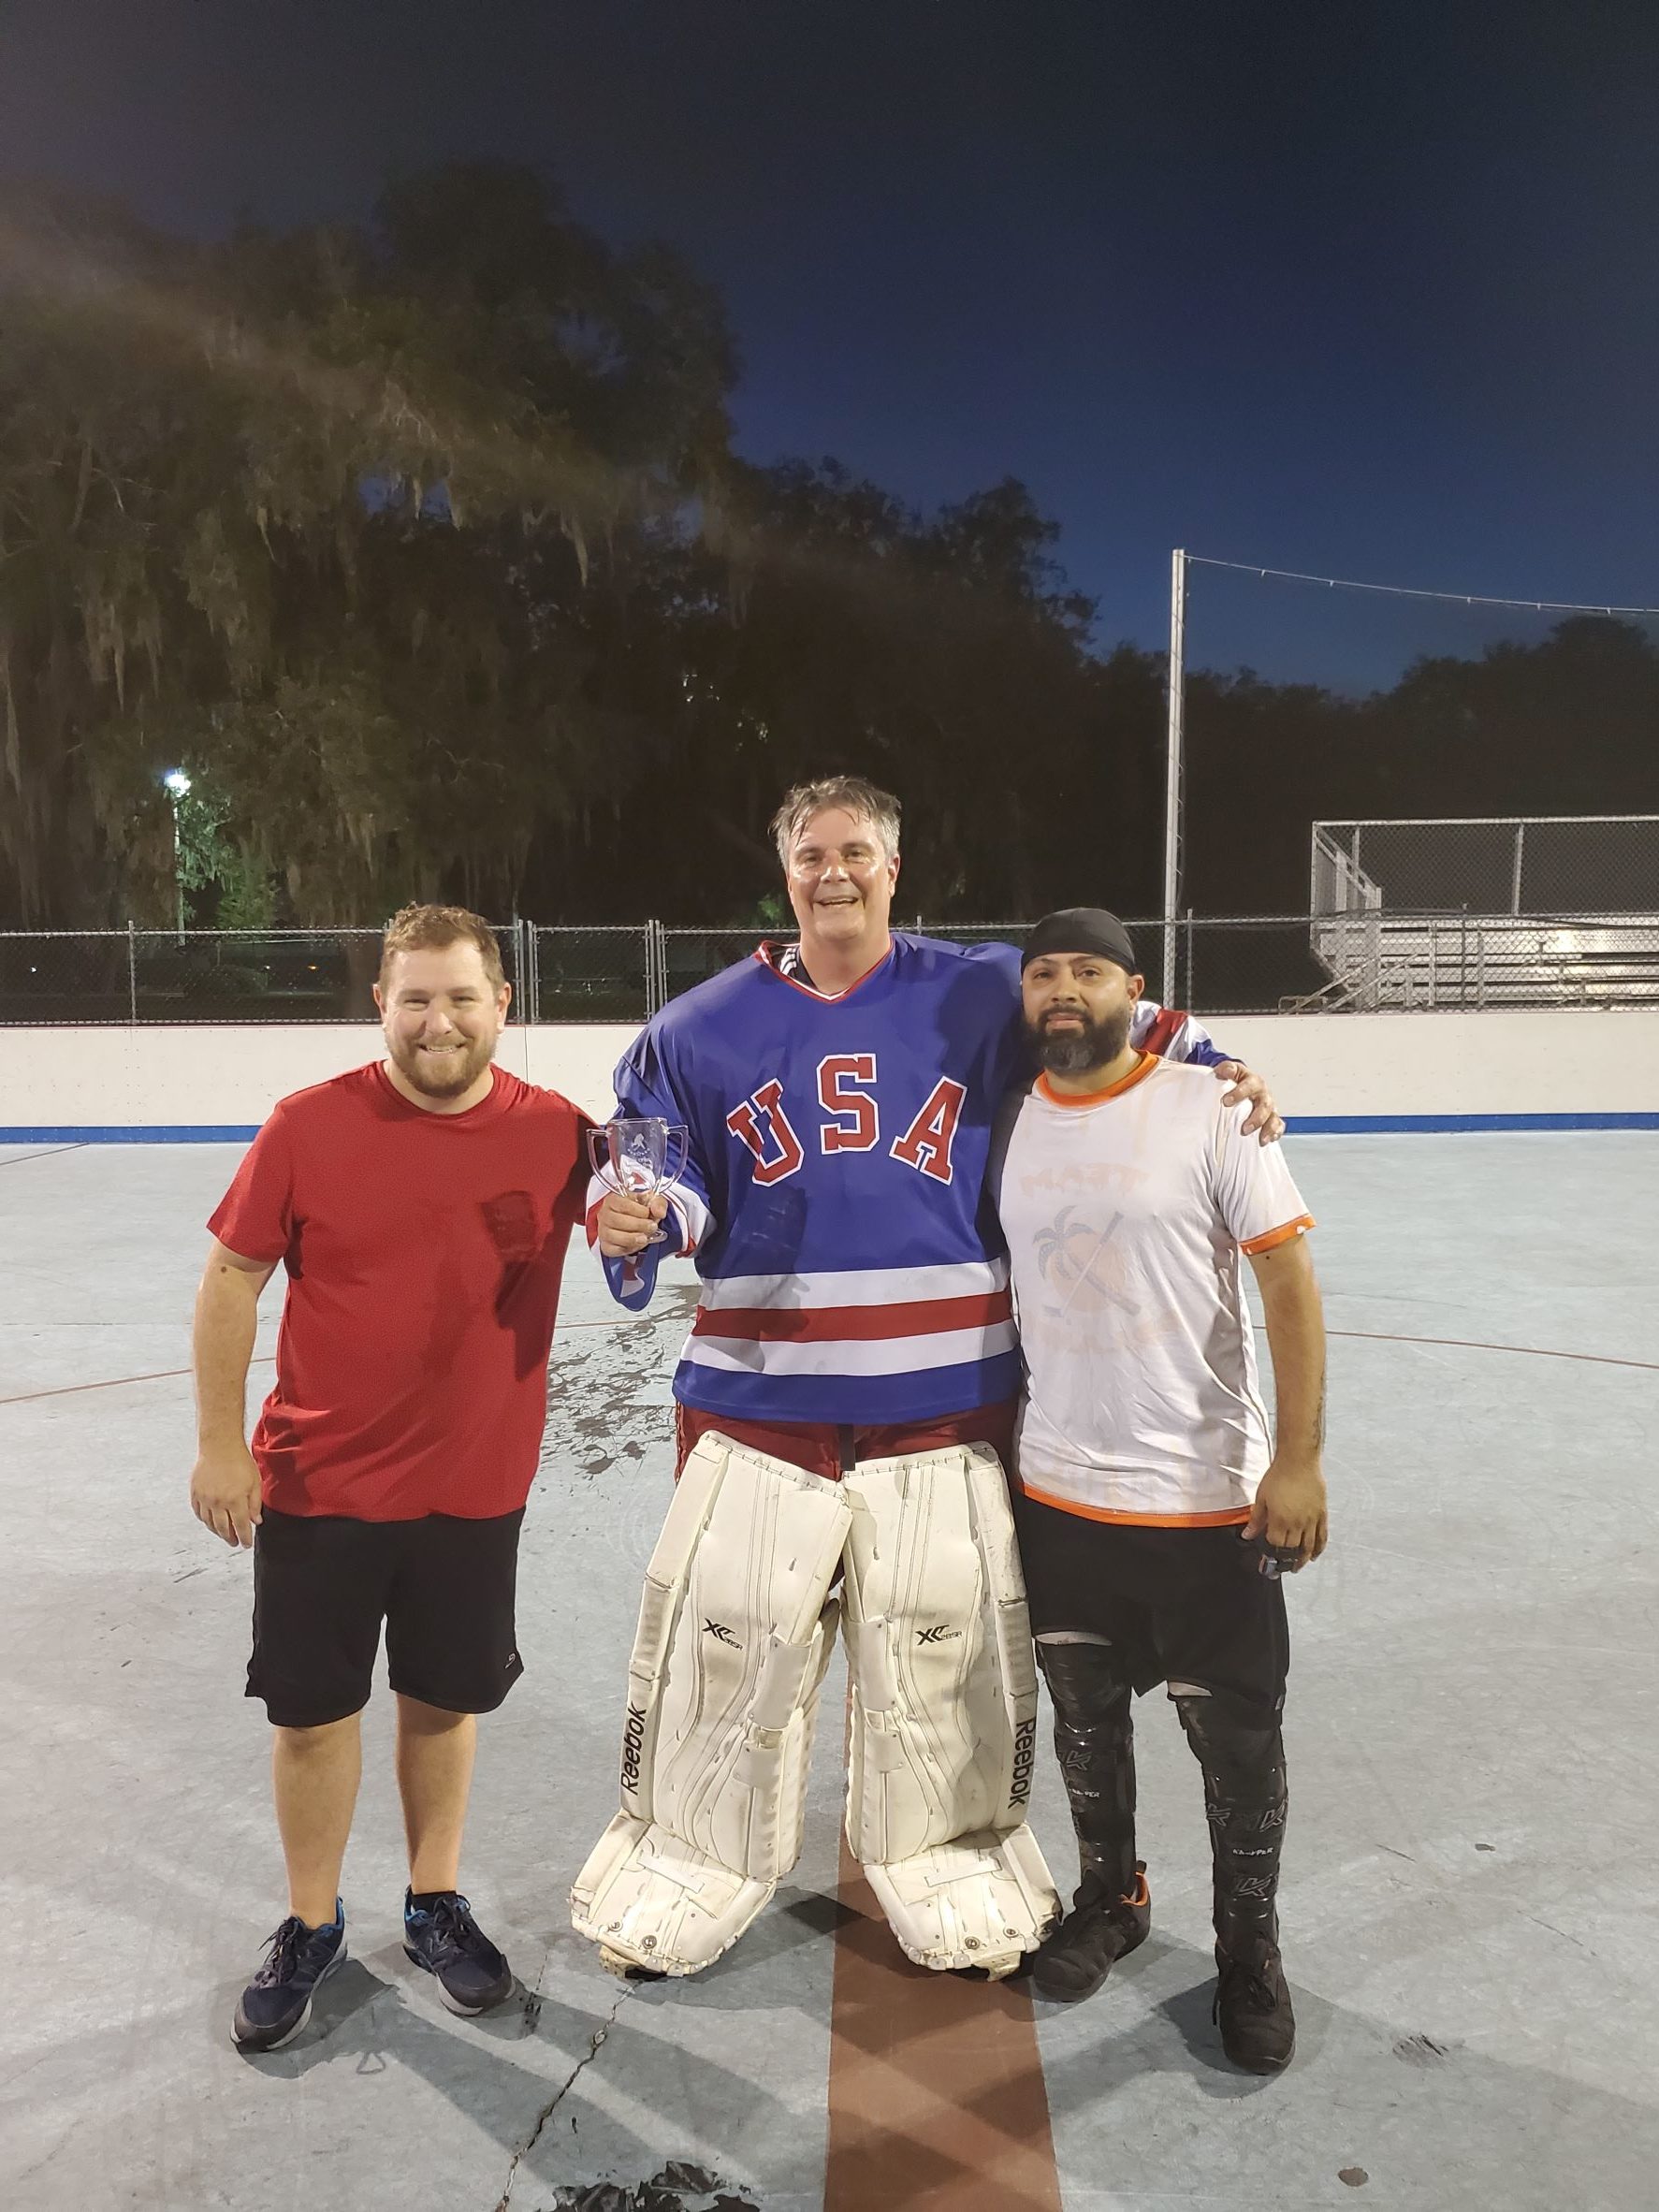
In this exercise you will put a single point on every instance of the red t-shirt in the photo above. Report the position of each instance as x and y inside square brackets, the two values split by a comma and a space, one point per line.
[424, 1253]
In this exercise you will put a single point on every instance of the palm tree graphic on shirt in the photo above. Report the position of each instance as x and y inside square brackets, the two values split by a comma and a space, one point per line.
[1078, 1266]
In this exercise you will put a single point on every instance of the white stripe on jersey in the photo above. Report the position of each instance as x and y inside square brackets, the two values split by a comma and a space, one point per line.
[881, 1355]
[878, 1286]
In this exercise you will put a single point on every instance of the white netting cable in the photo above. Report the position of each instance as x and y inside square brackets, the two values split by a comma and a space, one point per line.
[1542, 607]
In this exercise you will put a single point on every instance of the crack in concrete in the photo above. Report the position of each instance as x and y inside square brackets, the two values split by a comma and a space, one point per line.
[532, 1996]
[1562, 1934]
[595, 2044]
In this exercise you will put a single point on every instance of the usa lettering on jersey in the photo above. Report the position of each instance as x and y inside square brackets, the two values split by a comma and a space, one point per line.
[848, 1108]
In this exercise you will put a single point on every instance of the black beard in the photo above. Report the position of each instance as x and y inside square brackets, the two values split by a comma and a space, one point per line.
[1074, 1051]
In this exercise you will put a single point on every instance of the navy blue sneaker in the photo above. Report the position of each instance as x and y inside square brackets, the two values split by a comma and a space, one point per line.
[441, 1936]
[276, 2003]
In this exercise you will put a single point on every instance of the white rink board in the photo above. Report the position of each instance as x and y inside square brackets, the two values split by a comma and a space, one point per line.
[125, 1082]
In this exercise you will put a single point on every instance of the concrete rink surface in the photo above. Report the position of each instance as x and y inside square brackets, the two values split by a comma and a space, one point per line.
[1471, 1895]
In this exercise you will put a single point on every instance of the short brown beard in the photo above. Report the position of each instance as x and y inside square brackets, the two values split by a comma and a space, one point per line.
[474, 1059]
[1097, 1044]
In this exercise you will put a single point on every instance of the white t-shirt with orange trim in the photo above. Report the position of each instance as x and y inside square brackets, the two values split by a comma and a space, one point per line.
[1126, 1213]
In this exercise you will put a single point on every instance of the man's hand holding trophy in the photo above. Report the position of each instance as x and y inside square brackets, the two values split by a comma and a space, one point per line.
[637, 1160]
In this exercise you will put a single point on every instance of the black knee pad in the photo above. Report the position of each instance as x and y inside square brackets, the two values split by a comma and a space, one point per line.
[1234, 1738]
[1088, 1685]
[1094, 1742]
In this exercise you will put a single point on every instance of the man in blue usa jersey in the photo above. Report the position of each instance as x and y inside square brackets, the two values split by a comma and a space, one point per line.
[840, 1093]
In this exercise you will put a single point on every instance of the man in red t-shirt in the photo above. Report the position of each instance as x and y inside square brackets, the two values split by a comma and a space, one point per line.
[422, 1206]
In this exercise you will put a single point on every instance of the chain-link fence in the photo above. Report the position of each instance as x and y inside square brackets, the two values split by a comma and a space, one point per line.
[1511, 911]
[591, 975]
[1580, 863]
[298, 975]
[1366, 959]
[201, 975]
[1392, 962]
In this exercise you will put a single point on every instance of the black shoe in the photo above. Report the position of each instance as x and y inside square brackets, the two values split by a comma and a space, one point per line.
[1252, 2005]
[276, 2003]
[1090, 1941]
[440, 1935]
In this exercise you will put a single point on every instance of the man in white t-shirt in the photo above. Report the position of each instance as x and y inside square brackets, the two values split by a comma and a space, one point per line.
[1155, 1506]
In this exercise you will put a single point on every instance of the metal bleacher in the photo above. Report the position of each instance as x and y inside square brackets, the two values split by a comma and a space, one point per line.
[1389, 939]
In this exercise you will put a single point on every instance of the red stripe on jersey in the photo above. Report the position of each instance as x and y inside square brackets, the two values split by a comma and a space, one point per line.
[926, 1317]
[767, 954]
[1162, 1031]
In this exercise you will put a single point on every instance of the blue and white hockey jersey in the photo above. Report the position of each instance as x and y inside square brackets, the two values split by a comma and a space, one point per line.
[834, 1193]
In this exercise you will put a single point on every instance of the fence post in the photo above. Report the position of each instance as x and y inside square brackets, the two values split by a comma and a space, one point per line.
[1175, 763]
[1190, 998]
[656, 966]
[132, 975]
[1515, 876]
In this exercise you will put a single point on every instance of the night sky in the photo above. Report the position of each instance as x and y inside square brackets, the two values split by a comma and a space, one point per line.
[1368, 289]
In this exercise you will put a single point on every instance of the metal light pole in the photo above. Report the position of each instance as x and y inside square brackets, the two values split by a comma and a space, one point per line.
[1172, 765]
[178, 783]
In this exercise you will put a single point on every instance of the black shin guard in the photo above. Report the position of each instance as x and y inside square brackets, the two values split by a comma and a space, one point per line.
[1095, 1742]
[1242, 1755]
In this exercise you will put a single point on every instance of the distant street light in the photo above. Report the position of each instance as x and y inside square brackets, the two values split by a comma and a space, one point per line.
[177, 783]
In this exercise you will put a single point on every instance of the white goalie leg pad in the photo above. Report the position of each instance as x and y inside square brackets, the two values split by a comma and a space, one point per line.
[944, 1711]
[735, 1629]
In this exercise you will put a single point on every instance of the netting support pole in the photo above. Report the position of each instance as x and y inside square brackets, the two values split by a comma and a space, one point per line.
[1173, 767]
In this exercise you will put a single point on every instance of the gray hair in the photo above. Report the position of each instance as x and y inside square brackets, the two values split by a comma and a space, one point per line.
[855, 795]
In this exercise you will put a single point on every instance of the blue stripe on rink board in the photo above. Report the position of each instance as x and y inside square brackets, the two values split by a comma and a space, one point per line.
[1297, 1125]
[160, 1133]
[1360, 1125]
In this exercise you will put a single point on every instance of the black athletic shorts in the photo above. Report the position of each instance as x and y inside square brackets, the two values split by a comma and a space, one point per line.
[1183, 1605]
[323, 1585]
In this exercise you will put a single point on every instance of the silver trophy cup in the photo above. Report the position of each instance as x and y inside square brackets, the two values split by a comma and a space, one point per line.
[639, 1158]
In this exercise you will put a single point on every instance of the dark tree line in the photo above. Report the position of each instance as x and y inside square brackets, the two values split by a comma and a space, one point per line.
[422, 547]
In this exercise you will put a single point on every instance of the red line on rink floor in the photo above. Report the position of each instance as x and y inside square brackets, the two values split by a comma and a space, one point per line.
[1460, 1344]
[1464, 1344]
[119, 1382]
[937, 2101]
